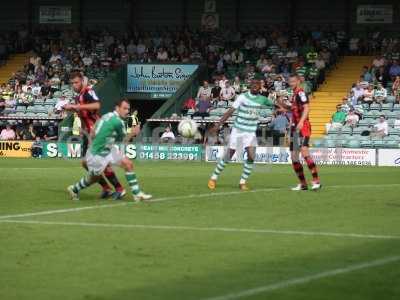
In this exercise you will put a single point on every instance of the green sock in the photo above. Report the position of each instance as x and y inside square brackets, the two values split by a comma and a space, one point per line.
[82, 184]
[247, 168]
[133, 183]
[218, 169]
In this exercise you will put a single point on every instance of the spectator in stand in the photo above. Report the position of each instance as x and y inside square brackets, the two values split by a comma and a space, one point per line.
[368, 96]
[358, 92]
[227, 94]
[382, 76]
[162, 55]
[188, 104]
[345, 107]
[167, 136]
[338, 119]
[396, 88]
[237, 57]
[204, 91]
[203, 108]
[352, 118]
[237, 85]
[7, 133]
[367, 75]
[378, 62]
[380, 94]
[279, 126]
[37, 148]
[215, 93]
[394, 70]
[381, 129]
[51, 133]
[28, 134]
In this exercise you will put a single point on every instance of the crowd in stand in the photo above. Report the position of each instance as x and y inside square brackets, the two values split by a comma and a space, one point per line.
[233, 59]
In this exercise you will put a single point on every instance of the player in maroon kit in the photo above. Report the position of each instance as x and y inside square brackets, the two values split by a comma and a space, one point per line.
[300, 133]
[88, 107]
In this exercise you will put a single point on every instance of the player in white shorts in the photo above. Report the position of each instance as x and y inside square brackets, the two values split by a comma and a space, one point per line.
[243, 134]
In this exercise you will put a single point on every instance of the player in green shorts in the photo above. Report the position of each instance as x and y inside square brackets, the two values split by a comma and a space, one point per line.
[103, 151]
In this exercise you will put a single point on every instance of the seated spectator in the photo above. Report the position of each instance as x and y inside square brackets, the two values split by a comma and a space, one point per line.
[367, 75]
[237, 57]
[204, 91]
[215, 93]
[381, 129]
[345, 107]
[167, 136]
[37, 148]
[382, 76]
[162, 55]
[394, 70]
[368, 96]
[338, 119]
[227, 94]
[51, 133]
[28, 133]
[203, 108]
[396, 88]
[352, 118]
[380, 94]
[7, 133]
[358, 92]
[237, 85]
[188, 104]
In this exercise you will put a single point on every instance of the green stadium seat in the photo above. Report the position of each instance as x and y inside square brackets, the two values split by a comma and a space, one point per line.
[366, 144]
[365, 122]
[396, 107]
[318, 143]
[392, 144]
[353, 144]
[391, 99]
[393, 131]
[375, 106]
[386, 106]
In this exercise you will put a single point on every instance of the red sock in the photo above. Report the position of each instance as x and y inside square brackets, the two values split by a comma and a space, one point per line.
[110, 175]
[313, 168]
[298, 168]
[104, 185]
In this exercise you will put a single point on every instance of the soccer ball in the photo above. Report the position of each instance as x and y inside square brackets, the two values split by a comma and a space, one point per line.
[187, 128]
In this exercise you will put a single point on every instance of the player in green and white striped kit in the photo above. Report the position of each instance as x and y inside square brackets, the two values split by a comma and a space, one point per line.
[103, 152]
[243, 134]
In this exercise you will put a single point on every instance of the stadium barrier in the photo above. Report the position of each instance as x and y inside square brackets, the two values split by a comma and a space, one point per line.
[193, 152]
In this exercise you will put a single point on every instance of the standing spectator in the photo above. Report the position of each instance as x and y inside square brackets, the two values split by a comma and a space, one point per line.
[7, 133]
[279, 125]
[237, 85]
[396, 89]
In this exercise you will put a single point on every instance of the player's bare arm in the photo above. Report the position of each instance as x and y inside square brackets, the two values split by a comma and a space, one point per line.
[304, 116]
[89, 106]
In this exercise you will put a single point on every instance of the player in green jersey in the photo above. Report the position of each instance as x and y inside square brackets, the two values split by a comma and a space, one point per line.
[103, 151]
[243, 134]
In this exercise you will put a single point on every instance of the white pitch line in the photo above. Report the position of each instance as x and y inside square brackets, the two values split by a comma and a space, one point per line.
[191, 196]
[306, 279]
[215, 229]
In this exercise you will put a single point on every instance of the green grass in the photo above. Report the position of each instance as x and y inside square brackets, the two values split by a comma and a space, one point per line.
[191, 247]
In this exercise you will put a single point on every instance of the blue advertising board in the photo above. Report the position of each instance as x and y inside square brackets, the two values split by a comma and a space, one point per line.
[157, 79]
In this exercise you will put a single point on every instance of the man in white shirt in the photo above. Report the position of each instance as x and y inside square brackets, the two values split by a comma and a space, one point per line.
[358, 92]
[204, 91]
[162, 54]
[352, 119]
[381, 129]
[167, 136]
[227, 93]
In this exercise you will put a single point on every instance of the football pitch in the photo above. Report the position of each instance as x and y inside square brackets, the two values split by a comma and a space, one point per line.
[342, 242]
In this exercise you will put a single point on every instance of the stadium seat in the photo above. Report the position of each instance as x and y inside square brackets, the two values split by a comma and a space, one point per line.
[396, 107]
[375, 106]
[365, 122]
[366, 143]
[386, 106]
[391, 99]
[355, 143]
